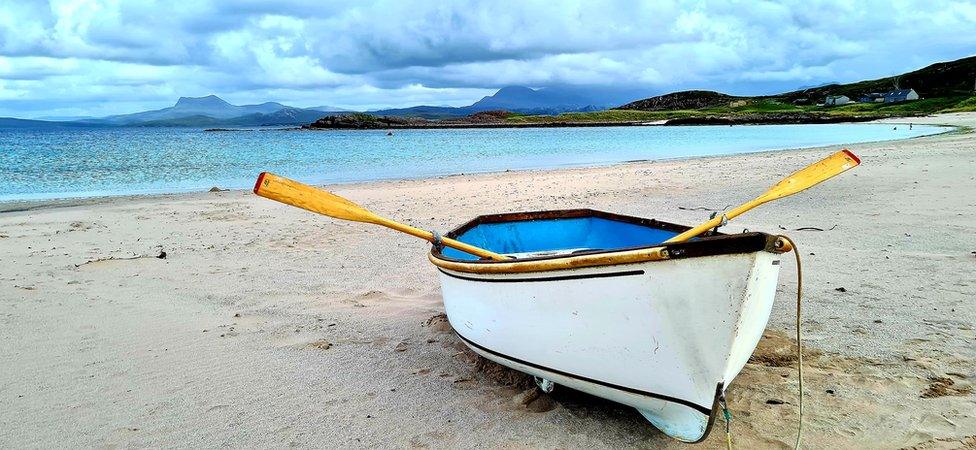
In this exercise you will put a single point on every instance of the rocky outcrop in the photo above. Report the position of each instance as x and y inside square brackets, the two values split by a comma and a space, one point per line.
[360, 121]
[681, 100]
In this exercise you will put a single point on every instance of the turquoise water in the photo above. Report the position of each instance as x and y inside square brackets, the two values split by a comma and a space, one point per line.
[46, 163]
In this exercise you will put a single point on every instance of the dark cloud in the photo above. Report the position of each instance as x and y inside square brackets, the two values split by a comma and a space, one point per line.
[395, 53]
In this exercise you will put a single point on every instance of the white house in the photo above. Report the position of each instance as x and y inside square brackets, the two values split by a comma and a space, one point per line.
[836, 100]
[900, 95]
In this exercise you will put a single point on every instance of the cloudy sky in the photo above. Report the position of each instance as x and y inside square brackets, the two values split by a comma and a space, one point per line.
[98, 57]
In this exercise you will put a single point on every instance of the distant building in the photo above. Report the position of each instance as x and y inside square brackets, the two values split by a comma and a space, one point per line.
[836, 100]
[900, 95]
[873, 97]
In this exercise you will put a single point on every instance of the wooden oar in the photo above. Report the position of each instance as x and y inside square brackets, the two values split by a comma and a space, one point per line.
[291, 192]
[805, 178]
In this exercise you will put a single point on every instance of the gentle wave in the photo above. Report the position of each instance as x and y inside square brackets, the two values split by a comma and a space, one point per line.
[47, 164]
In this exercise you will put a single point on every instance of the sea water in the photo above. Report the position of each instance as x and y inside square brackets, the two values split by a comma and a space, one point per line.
[84, 162]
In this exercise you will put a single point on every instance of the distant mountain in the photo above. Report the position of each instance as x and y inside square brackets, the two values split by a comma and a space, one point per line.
[210, 106]
[212, 111]
[426, 112]
[209, 111]
[328, 109]
[514, 98]
[63, 118]
[286, 116]
[518, 99]
[814, 86]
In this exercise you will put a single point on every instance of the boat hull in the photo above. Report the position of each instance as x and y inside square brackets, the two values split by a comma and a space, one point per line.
[666, 336]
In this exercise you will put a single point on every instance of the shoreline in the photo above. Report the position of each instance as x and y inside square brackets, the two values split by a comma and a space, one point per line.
[602, 118]
[704, 120]
[678, 121]
[8, 206]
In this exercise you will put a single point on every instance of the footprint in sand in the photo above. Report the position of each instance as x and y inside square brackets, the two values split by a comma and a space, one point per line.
[439, 323]
[534, 400]
[320, 344]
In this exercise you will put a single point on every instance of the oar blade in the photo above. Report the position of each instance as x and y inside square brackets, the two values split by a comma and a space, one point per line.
[813, 175]
[805, 178]
[291, 192]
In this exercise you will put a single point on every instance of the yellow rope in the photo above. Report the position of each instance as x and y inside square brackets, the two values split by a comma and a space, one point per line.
[799, 344]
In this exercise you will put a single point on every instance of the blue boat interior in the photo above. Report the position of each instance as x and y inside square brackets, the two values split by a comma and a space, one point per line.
[544, 235]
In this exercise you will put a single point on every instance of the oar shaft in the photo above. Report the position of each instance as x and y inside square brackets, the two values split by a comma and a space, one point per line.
[715, 221]
[294, 193]
[448, 242]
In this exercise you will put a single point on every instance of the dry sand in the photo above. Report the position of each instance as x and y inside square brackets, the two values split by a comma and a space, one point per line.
[268, 326]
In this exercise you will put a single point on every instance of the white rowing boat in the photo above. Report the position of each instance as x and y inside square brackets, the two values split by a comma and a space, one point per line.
[654, 315]
[596, 303]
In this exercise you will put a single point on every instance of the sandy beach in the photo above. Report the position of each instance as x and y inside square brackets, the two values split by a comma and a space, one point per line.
[265, 325]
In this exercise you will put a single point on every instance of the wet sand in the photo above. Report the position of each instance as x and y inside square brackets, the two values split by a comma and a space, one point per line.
[267, 326]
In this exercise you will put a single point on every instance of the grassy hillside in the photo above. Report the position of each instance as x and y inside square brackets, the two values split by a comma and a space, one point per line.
[765, 106]
[944, 87]
[917, 107]
[609, 115]
[944, 79]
